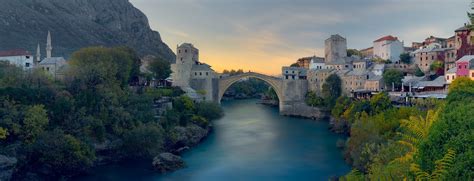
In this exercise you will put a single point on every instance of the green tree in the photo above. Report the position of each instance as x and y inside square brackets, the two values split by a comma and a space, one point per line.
[351, 52]
[437, 67]
[405, 58]
[313, 100]
[35, 122]
[441, 170]
[160, 68]
[418, 72]
[380, 103]
[393, 76]
[295, 65]
[145, 141]
[3, 133]
[209, 110]
[61, 154]
[331, 89]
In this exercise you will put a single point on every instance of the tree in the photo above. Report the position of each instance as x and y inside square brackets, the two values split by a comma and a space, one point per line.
[145, 141]
[295, 65]
[418, 72]
[437, 67]
[441, 169]
[405, 58]
[209, 110]
[36, 120]
[3, 133]
[331, 89]
[313, 100]
[351, 52]
[61, 154]
[380, 103]
[160, 68]
[393, 76]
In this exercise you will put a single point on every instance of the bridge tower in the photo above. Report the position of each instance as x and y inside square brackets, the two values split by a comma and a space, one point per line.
[186, 56]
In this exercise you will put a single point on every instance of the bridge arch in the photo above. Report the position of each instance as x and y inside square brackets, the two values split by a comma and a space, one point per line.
[226, 82]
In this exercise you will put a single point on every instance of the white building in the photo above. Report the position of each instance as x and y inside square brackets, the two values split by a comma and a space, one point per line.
[20, 58]
[317, 63]
[388, 48]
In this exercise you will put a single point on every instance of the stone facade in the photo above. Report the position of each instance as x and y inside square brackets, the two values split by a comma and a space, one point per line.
[335, 49]
[388, 48]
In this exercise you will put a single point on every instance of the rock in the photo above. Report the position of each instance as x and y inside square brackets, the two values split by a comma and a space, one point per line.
[181, 150]
[7, 166]
[190, 135]
[77, 24]
[167, 162]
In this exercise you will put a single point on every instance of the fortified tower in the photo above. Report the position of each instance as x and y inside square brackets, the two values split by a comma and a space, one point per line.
[186, 56]
[335, 49]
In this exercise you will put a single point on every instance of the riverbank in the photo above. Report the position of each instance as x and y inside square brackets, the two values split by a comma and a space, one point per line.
[250, 141]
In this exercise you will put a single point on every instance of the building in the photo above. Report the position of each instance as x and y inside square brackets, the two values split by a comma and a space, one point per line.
[294, 73]
[317, 77]
[450, 75]
[378, 69]
[20, 58]
[367, 53]
[306, 61]
[317, 63]
[388, 48]
[463, 44]
[426, 56]
[335, 49]
[193, 76]
[375, 83]
[464, 65]
[54, 66]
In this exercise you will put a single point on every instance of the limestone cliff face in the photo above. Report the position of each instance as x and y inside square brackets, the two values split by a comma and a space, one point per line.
[77, 23]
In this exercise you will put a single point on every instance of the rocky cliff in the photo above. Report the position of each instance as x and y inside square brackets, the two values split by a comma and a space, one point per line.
[75, 24]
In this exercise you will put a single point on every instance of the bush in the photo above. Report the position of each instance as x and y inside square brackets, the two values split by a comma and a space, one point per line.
[209, 110]
[145, 141]
[202, 122]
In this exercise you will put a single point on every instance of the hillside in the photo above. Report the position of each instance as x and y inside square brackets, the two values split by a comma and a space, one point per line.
[77, 23]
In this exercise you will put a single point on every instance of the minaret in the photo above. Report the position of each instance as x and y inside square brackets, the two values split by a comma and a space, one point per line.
[38, 55]
[49, 47]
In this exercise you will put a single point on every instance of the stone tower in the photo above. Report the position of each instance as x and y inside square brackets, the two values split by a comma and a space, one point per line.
[38, 55]
[335, 48]
[186, 56]
[49, 47]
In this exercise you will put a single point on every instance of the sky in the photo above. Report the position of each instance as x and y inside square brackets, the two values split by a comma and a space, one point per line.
[264, 35]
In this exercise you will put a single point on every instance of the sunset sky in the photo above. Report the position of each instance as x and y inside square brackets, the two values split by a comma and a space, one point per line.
[263, 35]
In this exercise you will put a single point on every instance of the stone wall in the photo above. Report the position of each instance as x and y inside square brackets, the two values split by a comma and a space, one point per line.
[300, 109]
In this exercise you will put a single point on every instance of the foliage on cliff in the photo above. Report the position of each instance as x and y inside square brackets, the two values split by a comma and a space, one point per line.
[58, 129]
[409, 142]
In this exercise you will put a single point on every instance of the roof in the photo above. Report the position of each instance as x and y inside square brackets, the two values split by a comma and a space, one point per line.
[183, 45]
[375, 78]
[317, 60]
[438, 82]
[336, 36]
[464, 28]
[452, 71]
[379, 66]
[17, 52]
[386, 38]
[466, 58]
[367, 49]
[433, 47]
[201, 67]
[53, 60]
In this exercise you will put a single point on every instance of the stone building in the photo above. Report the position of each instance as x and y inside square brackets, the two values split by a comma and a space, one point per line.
[388, 48]
[433, 52]
[374, 84]
[317, 77]
[367, 52]
[317, 63]
[463, 44]
[450, 75]
[335, 49]
[54, 66]
[294, 73]
[197, 79]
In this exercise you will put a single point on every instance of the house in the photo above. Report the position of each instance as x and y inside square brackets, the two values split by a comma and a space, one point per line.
[464, 65]
[388, 48]
[20, 58]
[367, 52]
[294, 73]
[426, 56]
[317, 63]
[450, 75]
[378, 69]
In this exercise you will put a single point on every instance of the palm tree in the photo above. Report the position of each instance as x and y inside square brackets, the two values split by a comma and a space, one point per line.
[441, 169]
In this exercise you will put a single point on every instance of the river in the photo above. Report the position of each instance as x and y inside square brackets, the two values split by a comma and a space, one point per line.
[251, 142]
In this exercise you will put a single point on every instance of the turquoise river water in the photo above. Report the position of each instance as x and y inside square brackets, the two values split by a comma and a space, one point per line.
[251, 142]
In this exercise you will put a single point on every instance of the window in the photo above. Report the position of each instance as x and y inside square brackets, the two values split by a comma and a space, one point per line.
[207, 73]
[47, 69]
[472, 74]
[447, 77]
[200, 73]
[432, 57]
[27, 65]
[179, 51]
[195, 73]
[185, 50]
[453, 77]
[27, 57]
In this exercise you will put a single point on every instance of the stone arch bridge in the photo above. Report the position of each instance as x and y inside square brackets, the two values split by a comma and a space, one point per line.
[225, 82]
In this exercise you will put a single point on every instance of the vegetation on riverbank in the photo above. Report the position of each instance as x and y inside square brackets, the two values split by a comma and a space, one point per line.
[430, 141]
[62, 128]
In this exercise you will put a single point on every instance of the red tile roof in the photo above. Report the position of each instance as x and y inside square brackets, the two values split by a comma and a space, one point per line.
[387, 38]
[18, 52]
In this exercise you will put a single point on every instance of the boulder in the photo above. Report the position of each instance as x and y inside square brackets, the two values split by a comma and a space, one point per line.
[190, 135]
[167, 162]
[7, 166]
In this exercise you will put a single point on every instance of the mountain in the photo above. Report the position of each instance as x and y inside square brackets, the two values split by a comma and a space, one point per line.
[75, 24]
